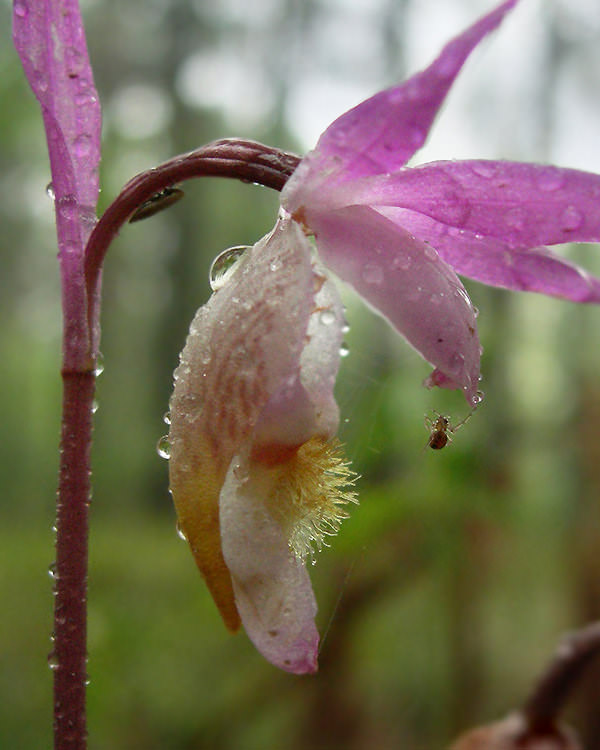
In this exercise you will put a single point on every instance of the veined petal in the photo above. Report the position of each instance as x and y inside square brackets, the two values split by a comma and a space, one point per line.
[305, 405]
[406, 281]
[493, 262]
[382, 133]
[524, 205]
[243, 344]
[272, 588]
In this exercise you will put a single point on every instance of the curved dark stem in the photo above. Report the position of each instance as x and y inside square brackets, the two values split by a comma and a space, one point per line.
[572, 656]
[239, 159]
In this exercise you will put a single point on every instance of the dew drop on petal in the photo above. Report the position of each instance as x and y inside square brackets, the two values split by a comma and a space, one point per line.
[484, 169]
[39, 82]
[224, 265]
[373, 274]
[52, 570]
[53, 660]
[75, 62]
[50, 191]
[180, 533]
[571, 218]
[549, 180]
[163, 448]
[94, 406]
[326, 317]
[344, 349]
[167, 417]
[82, 145]
[402, 261]
[430, 252]
[515, 218]
[21, 10]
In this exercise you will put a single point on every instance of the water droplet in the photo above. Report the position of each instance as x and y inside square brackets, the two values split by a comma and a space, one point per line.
[50, 191]
[85, 96]
[550, 179]
[68, 207]
[402, 262]
[39, 82]
[344, 349]
[21, 10]
[156, 203]
[99, 365]
[52, 570]
[75, 62]
[167, 417]
[430, 252]
[53, 660]
[571, 218]
[326, 317]
[94, 406]
[484, 169]
[224, 265]
[82, 145]
[163, 447]
[373, 274]
[275, 265]
[180, 533]
[69, 248]
[515, 217]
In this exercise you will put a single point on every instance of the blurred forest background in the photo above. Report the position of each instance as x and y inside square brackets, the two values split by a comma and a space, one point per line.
[446, 592]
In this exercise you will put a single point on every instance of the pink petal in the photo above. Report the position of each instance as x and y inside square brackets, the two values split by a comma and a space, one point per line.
[320, 359]
[491, 261]
[246, 342]
[50, 40]
[524, 205]
[383, 132]
[272, 589]
[304, 405]
[243, 344]
[405, 280]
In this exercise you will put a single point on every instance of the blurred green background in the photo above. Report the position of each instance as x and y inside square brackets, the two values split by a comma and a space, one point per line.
[446, 591]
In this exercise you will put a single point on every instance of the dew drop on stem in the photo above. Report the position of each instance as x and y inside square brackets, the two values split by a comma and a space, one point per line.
[163, 447]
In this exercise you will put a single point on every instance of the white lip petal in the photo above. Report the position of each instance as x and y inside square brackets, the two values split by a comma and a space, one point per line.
[272, 589]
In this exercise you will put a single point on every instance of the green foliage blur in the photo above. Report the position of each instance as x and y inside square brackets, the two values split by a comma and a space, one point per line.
[445, 592]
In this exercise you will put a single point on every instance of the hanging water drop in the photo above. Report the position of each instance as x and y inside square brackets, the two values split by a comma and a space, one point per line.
[157, 202]
[326, 317]
[163, 447]
[53, 660]
[52, 570]
[167, 417]
[50, 191]
[344, 349]
[94, 406]
[99, 364]
[180, 532]
[224, 265]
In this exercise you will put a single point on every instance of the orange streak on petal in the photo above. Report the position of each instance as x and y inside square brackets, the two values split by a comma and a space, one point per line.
[195, 485]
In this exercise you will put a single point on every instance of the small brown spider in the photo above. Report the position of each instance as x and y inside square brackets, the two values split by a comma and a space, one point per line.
[441, 430]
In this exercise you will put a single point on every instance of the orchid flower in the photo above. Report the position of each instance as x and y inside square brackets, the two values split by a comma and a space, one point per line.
[257, 475]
